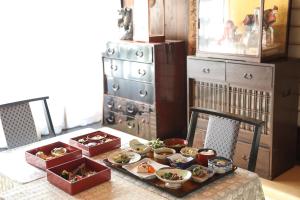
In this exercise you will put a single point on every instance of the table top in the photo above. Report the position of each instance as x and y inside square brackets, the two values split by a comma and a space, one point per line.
[241, 184]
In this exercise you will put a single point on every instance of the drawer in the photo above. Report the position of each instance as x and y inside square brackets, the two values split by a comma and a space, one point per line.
[133, 90]
[202, 69]
[128, 70]
[241, 158]
[258, 77]
[129, 51]
[114, 104]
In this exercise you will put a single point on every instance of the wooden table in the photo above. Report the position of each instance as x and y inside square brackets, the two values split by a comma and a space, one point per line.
[241, 185]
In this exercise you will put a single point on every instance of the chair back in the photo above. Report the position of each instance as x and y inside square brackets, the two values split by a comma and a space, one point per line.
[222, 133]
[18, 123]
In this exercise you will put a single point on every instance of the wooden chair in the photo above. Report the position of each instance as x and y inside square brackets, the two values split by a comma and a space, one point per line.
[18, 123]
[226, 133]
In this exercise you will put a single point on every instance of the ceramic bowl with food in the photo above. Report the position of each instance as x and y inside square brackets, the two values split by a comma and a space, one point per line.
[179, 161]
[59, 151]
[139, 147]
[204, 155]
[189, 152]
[173, 178]
[156, 144]
[200, 173]
[220, 164]
[163, 153]
[123, 157]
[175, 143]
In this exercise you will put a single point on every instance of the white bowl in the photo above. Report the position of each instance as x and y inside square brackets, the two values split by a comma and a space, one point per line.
[189, 152]
[138, 147]
[173, 184]
[220, 168]
[159, 153]
[208, 173]
[134, 157]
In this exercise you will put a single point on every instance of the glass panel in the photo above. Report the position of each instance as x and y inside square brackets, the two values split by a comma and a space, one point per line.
[229, 26]
[274, 27]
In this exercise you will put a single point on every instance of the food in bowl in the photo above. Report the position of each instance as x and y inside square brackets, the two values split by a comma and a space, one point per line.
[204, 155]
[189, 152]
[179, 161]
[123, 157]
[157, 143]
[163, 153]
[77, 174]
[220, 164]
[139, 147]
[200, 173]
[175, 143]
[173, 178]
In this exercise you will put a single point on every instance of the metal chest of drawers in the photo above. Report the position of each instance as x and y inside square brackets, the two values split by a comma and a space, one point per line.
[145, 88]
[266, 91]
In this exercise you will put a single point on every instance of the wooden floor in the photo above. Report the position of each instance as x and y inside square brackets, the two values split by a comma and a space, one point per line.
[284, 187]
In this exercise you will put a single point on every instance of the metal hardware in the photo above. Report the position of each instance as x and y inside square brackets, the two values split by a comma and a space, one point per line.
[130, 125]
[143, 93]
[139, 53]
[110, 104]
[244, 157]
[120, 121]
[142, 72]
[130, 109]
[114, 67]
[115, 87]
[206, 70]
[119, 107]
[110, 119]
[248, 76]
[110, 51]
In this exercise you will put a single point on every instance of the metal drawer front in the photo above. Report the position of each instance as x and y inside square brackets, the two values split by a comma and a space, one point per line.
[128, 70]
[257, 77]
[138, 52]
[114, 104]
[200, 69]
[130, 89]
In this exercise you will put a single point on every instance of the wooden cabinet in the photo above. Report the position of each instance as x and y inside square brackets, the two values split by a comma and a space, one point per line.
[265, 91]
[145, 88]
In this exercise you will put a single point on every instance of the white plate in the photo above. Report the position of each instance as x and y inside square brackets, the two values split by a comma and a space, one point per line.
[134, 157]
[133, 168]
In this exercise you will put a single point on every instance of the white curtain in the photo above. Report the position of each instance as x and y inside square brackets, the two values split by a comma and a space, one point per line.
[53, 48]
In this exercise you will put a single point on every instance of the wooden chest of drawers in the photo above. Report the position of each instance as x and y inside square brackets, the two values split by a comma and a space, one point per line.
[145, 88]
[266, 91]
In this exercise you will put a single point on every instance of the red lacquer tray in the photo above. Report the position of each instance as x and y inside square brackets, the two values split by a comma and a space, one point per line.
[72, 153]
[100, 147]
[103, 174]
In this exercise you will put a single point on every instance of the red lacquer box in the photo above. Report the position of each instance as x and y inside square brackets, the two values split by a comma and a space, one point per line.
[100, 147]
[72, 153]
[102, 174]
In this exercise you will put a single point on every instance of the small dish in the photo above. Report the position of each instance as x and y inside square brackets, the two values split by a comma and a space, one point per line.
[156, 144]
[59, 151]
[133, 168]
[123, 157]
[175, 143]
[204, 155]
[163, 153]
[179, 161]
[189, 152]
[220, 164]
[173, 178]
[200, 173]
[138, 147]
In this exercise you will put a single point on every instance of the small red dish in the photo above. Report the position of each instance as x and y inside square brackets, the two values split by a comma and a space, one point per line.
[204, 155]
[175, 143]
[72, 153]
[102, 174]
[98, 146]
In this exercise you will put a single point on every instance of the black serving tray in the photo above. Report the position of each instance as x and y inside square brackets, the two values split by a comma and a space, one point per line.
[187, 187]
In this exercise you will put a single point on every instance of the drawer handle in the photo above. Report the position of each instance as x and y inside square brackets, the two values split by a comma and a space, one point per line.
[114, 67]
[244, 157]
[248, 76]
[120, 121]
[206, 70]
[139, 53]
[143, 121]
[142, 72]
[119, 107]
[115, 87]
[110, 51]
[110, 104]
[130, 125]
[110, 119]
[130, 109]
[143, 93]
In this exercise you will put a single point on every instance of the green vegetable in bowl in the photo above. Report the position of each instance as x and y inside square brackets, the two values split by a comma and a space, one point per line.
[155, 144]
